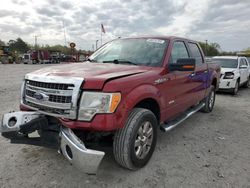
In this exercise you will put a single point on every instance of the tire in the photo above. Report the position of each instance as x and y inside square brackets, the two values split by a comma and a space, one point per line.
[236, 88]
[126, 153]
[247, 84]
[209, 101]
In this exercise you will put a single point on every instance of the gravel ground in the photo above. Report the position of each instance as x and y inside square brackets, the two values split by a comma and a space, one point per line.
[208, 150]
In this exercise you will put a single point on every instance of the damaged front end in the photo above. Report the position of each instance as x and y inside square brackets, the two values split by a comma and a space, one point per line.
[21, 128]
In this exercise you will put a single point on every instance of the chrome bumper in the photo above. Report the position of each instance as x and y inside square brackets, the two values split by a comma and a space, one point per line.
[77, 154]
[13, 120]
[71, 146]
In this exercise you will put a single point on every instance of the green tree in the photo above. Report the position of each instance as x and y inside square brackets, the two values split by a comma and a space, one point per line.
[210, 49]
[18, 45]
[58, 48]
[228, 53]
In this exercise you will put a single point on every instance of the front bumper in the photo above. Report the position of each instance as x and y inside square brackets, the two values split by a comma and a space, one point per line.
[19, 125]
[227, 84]
[77, 154]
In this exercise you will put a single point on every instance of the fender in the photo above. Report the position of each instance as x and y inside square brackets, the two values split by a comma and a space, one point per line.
[136, 95]
[213, 74]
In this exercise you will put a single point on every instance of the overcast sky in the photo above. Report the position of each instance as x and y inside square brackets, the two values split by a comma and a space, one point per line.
[226, 22]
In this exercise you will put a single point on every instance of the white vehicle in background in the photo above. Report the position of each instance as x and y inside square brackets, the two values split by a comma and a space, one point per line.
[27, 59]
[235, 72]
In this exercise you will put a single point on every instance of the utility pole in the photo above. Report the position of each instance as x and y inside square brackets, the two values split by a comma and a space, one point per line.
[64, 32]
[206, 49]
[96, 44]
[36, 41]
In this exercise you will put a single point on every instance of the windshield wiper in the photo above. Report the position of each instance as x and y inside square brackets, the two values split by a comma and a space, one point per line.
[120, 61]
[91, 60]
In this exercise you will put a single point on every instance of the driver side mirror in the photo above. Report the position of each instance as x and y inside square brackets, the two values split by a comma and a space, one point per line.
[183, 64]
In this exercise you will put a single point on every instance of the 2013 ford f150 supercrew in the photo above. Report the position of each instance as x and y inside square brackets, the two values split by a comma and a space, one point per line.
[127, 89]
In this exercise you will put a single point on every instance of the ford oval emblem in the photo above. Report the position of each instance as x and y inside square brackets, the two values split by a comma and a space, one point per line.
[40, 96]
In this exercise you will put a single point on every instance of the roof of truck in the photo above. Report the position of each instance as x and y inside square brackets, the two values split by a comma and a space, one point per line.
[158, 37]
[226, 57]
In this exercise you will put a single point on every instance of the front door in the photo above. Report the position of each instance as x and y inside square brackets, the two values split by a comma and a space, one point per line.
[243, 71]
[183, 86]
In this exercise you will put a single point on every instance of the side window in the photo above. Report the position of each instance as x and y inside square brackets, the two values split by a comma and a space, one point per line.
[196, 52]
[242, 62]
[179, 51]
[246, 63]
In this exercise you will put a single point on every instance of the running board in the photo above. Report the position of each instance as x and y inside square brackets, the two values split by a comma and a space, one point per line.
[174, 123]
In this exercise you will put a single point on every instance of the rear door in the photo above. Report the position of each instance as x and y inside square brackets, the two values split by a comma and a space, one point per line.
[200, 75]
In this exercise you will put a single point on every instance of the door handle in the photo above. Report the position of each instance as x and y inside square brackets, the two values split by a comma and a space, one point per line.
[193, 74]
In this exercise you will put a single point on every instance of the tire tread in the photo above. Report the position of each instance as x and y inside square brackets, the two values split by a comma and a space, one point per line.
[123, 137]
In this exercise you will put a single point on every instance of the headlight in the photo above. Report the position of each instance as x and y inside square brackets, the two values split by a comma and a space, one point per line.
[96, 102]
[229, 75]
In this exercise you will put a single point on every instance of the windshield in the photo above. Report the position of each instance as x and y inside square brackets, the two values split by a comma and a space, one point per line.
[226, 63]
[145, 52]
[26, 56]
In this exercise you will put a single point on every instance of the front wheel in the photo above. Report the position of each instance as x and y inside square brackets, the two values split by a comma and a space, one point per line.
[209, 101]
[247, 84]
[135, 143]
[236, 88]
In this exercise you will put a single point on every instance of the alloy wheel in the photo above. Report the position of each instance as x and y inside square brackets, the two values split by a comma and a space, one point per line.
[144, 139]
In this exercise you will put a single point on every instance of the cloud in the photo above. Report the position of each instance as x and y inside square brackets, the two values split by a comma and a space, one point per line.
[223, 21]
[66, 5]
[49, 11]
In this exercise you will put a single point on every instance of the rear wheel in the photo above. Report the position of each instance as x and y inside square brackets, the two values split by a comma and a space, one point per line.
[209, 101]
[135, 143]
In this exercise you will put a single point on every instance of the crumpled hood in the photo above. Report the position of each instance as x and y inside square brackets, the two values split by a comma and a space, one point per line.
[223, 70]
[94, 74]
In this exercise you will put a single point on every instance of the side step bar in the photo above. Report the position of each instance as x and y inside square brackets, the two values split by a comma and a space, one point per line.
[174, 123]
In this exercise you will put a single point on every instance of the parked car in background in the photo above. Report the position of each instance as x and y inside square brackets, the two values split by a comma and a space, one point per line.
[68, 58]
[235, 72]
[27, 58]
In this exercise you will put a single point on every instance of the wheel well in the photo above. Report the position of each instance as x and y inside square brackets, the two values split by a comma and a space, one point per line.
[238, 79]
[150, 104]
[214, 83]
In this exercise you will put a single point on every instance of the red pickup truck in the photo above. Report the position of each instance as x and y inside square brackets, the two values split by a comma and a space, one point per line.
[127, 89]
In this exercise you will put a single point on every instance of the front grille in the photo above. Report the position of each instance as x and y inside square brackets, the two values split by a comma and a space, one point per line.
[52, 98]
[60, 99]
[48, 109]
[50, 85]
